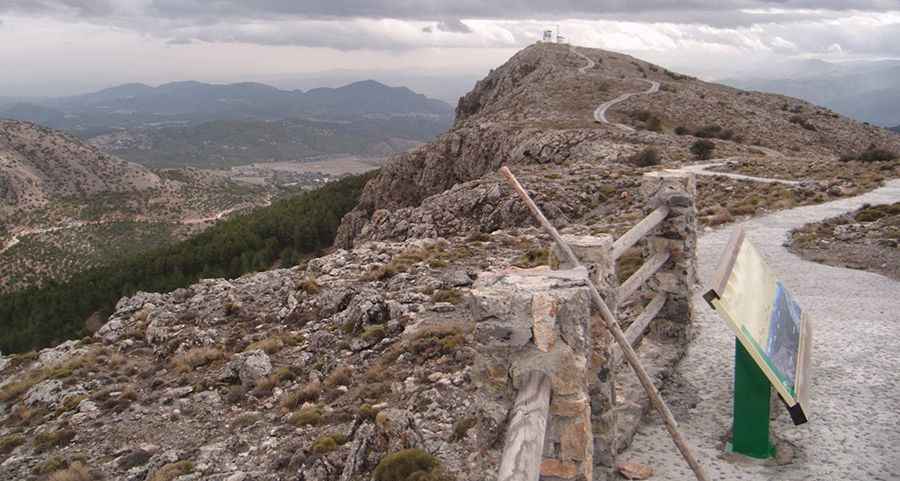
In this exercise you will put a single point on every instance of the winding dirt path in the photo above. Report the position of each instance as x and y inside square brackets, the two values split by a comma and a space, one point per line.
[600, 111]
[855, 391]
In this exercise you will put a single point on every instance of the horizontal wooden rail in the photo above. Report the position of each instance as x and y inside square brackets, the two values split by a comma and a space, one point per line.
[637, 328]
[637, 232]
[523, 451]
[640, 277]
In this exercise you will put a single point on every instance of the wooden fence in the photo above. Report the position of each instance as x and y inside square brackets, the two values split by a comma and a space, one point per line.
[666, 277]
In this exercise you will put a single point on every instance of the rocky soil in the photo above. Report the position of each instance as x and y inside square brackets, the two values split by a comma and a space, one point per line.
[315, 372]
[867, 239]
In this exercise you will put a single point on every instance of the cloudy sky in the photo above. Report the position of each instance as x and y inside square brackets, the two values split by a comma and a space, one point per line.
[57, 47]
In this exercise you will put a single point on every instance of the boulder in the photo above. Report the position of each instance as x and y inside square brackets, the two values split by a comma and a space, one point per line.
[248, 367]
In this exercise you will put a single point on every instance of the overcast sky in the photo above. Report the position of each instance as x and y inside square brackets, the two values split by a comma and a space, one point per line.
[58, 47]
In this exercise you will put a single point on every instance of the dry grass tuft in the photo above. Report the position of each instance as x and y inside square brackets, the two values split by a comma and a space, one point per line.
[76, 471]
[196, 357]
[172, 471]
[339, 376]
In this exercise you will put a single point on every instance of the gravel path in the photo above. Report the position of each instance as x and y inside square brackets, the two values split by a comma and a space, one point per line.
[854, 428]
[600, 111]
[700, 169]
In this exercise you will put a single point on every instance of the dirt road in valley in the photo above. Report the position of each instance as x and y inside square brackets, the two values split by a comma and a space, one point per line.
[18, 235]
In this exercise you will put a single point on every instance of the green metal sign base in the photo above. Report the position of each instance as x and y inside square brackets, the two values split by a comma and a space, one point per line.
[752, 393]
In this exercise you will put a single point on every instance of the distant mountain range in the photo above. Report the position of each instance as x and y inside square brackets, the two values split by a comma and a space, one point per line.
[139, 105]
[867, 91]
[217, 125]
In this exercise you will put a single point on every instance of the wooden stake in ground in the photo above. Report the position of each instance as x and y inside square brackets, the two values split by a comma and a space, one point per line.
[613, 325]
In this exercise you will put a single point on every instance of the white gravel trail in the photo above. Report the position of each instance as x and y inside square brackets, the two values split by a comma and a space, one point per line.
[854, 429]
[700, 169]
[600, 111]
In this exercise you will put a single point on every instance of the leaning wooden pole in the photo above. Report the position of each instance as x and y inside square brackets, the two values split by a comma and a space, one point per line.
[613, 325]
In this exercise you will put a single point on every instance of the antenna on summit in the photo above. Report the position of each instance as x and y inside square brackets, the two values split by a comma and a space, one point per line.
[559, 37]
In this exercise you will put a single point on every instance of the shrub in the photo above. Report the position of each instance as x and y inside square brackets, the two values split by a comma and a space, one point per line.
[309, 286]
[51, 465]
[247, 419]
[802, 122]
[645, 158]
[650, 121]
[77, 471]
[872, 154]
[703, 149]
[374, 333]
[10, 442]
[269, 345]
[708, 131]
[409, 464]
[682, 130]
[869, 215]
[462, 427]
[532, 258]
[436, 341]
[324, 445]
[172, 471]
[339, 376]
[367, 412]
[196, 357]
[297, 397]
[327, 444]
[52, 439]
[453, 296]
[310, 416]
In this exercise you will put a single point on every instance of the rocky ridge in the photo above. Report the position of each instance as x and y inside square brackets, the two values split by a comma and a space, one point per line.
[537, 110]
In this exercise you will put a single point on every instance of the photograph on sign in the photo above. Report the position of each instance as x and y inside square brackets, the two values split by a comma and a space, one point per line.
[766, 319]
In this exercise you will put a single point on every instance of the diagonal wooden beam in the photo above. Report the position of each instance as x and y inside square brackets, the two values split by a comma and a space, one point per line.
[613, 325]
[640, 276]
[637, 328]
[638, 232]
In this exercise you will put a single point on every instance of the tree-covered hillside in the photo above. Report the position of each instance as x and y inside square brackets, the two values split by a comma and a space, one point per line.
[284, 232]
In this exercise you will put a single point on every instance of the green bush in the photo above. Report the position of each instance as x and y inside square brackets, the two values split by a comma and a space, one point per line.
[645, 158]
[714, 132]
[872, 154]
[703, 149]
[310, 416]
[409, 465]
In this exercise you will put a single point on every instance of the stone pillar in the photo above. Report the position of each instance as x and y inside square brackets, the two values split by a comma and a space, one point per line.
[595, 253]
[677, 234]
[539, 320]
